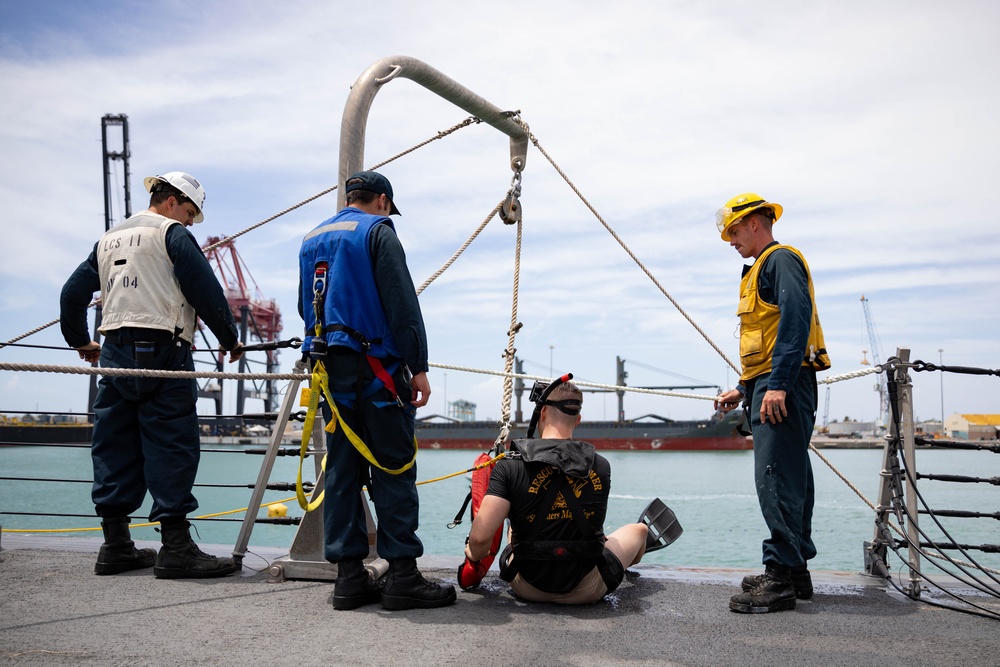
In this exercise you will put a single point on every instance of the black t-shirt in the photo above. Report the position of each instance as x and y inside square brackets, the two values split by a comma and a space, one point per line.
[525, 485]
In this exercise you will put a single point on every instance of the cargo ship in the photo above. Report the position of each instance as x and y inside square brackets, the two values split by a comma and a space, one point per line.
[21, 433]
[647, 433]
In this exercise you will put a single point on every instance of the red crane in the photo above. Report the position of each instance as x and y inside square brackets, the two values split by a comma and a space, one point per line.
[257, 317]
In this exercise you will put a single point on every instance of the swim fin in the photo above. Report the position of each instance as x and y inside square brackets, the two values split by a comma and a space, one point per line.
[662, 523]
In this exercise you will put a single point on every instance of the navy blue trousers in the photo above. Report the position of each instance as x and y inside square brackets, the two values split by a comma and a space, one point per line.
[145, 434]
[388, 433]
[783, 472]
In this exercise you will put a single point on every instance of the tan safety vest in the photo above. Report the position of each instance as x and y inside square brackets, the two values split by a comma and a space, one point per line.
[759, 324]
[138, 285]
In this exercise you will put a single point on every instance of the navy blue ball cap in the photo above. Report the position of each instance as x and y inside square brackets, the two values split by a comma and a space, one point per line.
[372, 181]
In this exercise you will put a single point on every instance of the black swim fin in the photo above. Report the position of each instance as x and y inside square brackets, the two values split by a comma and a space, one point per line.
[663, 525]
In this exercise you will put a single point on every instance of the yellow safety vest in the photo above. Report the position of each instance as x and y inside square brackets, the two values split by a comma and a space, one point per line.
[759, 324]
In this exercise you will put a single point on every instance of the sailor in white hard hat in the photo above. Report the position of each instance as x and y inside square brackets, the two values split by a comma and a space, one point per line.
[154, 282]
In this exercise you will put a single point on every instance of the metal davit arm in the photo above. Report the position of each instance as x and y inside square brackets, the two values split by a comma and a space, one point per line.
[359, 102]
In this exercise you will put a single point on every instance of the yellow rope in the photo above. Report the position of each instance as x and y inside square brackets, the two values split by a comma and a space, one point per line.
[139, 525]
[463, 472]
[321, 385]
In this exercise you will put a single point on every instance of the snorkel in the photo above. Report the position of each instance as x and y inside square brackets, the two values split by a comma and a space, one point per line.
[539, 394]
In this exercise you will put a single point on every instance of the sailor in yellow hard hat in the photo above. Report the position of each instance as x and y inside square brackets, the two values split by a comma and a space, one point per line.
[781, 348]
[739, 207]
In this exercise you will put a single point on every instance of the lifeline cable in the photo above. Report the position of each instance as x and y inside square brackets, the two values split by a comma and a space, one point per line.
[276, 486]
[922, 366]
[213, 516]
[901, 510]
[983, 611]
[987, 589]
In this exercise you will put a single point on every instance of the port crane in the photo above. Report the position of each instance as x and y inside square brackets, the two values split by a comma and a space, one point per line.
[257, 317]
[881, 388]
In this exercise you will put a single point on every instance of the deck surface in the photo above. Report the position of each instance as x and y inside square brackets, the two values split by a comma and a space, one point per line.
[55, 611]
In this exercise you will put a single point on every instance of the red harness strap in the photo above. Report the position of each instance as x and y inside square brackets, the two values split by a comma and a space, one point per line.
[381, 374]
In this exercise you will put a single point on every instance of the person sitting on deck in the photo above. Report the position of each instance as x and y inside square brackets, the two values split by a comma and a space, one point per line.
[555, 492]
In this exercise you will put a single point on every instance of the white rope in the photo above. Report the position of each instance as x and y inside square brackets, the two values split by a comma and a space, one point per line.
[579, 383]
[229, 239]
[42, 327]
[439, 135]
[461, 249]
[841, 476]
[141, 372]
[508, 383]
[848, 376]
[631, 254]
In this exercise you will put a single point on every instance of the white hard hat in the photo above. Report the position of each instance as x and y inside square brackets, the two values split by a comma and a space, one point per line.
[186, 183]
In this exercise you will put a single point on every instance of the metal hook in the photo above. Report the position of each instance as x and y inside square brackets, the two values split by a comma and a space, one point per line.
[396, 69]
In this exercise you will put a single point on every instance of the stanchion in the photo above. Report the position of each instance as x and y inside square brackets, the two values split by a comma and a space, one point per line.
[305, 558]
[901, 435]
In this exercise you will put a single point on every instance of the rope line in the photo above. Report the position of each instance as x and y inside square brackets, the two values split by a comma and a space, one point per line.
[216, 375]
[439, 135]
[841, 476]
[142, 372]
[579, 383]
[482, 226]
[631, 254]
[42, 327]
[508, 383]
[485, 464]
[229, 239]
[848, 376]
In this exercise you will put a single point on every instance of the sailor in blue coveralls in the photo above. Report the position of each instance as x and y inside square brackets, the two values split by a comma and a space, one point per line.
[374, 348]
[781, 348]
[153, 280]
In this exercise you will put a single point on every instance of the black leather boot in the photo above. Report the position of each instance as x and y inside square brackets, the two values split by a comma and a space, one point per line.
[774, 592]
[118, 553]
[354, 586]
[180, 557]
[800, 579]
[406, 588]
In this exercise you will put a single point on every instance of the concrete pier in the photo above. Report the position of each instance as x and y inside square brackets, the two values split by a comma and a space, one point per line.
[55, 611]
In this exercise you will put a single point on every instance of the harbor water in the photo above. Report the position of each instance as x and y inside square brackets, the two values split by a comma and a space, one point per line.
[712, 494]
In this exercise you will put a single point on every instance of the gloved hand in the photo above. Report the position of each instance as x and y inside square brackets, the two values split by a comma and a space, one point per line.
[471, 573]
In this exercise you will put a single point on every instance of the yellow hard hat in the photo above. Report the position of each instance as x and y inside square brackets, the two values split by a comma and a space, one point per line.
[739, 206]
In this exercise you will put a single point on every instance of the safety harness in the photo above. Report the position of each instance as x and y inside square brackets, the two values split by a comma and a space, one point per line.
[589, 548]
[320, 385]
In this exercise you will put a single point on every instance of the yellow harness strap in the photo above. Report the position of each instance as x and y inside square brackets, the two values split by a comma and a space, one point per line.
[321, 384]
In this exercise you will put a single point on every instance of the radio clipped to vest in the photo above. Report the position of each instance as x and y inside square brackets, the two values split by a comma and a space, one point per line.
[317, 349]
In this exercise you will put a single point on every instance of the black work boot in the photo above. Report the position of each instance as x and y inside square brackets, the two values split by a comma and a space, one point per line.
[354, 586]
[118, 553]
[774, 592]
[800, 579]
[180, 557]
[406, 588]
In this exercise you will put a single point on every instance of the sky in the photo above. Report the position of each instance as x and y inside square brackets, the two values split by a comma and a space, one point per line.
[872, 124]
